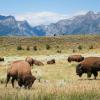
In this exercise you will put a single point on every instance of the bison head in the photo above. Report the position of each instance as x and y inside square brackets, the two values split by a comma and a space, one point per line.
[28, 81]
[69, 59]
[32, 79]
[53, 60]
[79, 70]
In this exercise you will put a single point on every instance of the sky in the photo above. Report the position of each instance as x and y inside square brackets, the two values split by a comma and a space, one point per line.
[47, 11]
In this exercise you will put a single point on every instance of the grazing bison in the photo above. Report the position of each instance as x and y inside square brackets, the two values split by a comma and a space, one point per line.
[76, 58]
[20, 71]
[51, 61]
[90, 65]
[38, 63]
[30, 60]
[1, 59]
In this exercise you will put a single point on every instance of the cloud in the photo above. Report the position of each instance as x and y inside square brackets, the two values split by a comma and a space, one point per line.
[44, 17]
[41, 17]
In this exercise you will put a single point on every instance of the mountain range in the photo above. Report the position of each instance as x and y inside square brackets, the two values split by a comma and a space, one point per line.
[81, 24]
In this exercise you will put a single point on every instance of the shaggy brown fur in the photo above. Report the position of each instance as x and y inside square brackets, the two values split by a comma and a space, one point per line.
[88, 66]
[76, 58]
[51, 61]
[32, 61]
[27, 81]
[20, 71]
[38, 63]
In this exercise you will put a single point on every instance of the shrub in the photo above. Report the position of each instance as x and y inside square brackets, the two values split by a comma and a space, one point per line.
[74, 51]
[80, 47]
[2, 80]
[58, 51]
[91, 47]
[19, 47]
[48, 47]
[35, 48]
[27, 48]
[57, 46]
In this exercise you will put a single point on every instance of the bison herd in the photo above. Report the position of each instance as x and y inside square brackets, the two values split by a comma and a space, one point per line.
[88, 65]
[20, 70]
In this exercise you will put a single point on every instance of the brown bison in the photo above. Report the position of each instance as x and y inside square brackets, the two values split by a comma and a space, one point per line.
[38, 63]
[20, 71]
[76, 58]
[1, 59]
[89, 65]
[51, 61]
[30, 60]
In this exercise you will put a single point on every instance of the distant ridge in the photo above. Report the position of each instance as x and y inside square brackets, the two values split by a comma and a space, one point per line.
[10, 27]
[82, 24]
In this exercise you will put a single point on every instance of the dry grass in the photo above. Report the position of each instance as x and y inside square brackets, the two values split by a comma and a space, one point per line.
[58, 81]
[66, 44]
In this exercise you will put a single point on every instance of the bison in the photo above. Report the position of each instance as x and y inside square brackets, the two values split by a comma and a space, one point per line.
[38, 63]
[90, 65]
[20, 71]
[76, 58]
[1, 59]
[51, 61]
[30, 60]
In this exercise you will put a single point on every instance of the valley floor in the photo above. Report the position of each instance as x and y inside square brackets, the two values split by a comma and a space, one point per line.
[57, 82]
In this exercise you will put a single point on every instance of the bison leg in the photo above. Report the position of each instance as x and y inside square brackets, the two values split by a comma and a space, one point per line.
[12, 81]
[20, 82]
[95, 74]
[8, 78]
[89, 74]
[27, 84]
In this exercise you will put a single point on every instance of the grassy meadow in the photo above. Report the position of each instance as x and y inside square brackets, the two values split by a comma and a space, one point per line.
[58, 81]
